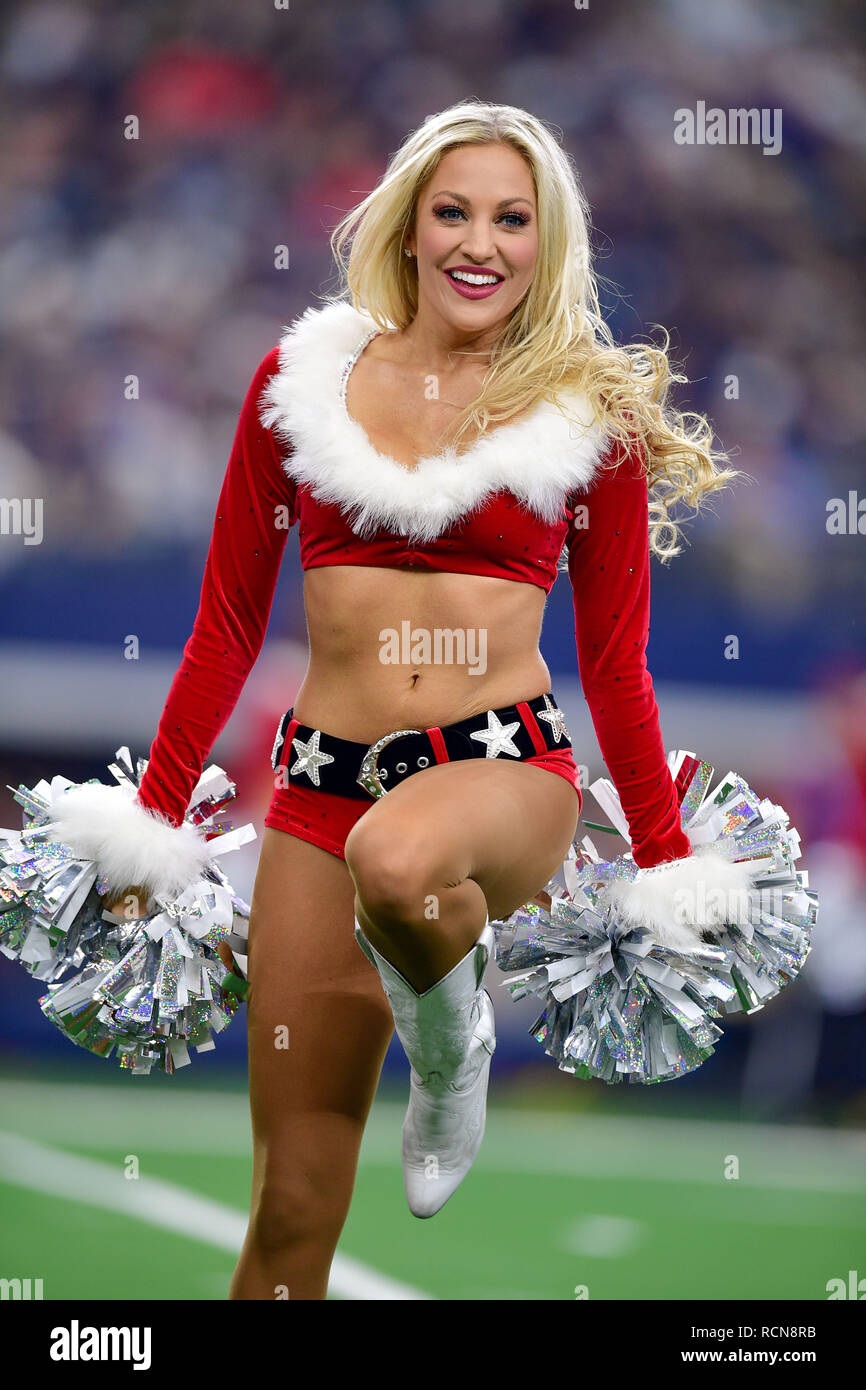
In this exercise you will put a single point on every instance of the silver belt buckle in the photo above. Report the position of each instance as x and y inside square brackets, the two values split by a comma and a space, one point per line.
[368, 777]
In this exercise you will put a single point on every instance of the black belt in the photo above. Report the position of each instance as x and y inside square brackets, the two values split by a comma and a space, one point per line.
[366, 771]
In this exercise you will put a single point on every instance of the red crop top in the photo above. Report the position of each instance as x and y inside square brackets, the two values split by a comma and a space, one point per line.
[604, 526]
[500, 539]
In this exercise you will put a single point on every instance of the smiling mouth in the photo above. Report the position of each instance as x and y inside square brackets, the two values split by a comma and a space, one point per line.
[473, 284]
[476, 277]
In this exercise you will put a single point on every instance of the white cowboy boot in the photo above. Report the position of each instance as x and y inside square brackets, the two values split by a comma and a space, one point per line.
[448, 1036]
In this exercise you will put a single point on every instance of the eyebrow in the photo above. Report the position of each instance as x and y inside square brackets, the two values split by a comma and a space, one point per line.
[459, 198]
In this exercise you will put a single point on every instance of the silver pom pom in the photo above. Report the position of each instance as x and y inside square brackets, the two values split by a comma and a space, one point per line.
[148, 988]
[619, 1004]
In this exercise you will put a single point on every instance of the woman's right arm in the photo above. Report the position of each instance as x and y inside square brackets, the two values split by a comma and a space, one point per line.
[254, 512]
[144, 841]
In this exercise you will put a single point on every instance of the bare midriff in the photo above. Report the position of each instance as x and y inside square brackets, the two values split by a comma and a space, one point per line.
[398, 649]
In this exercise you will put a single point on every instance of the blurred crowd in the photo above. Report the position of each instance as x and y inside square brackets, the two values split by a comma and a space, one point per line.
[259, 126]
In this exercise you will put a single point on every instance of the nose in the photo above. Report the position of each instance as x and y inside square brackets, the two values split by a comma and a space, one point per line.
[479, 242]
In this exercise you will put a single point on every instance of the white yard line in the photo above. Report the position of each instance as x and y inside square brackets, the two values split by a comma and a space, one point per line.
[25, 1163]
[584, 1144]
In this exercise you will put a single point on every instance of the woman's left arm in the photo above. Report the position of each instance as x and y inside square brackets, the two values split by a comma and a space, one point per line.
[678, 892]
[609, 569]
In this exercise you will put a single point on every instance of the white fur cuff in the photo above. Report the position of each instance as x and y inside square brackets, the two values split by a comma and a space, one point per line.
[130, 845]
[678, 900]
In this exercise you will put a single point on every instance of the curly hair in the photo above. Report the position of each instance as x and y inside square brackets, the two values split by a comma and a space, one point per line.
[556, 340]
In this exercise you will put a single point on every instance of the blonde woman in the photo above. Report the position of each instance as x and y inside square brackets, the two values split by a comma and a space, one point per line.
[439, 435]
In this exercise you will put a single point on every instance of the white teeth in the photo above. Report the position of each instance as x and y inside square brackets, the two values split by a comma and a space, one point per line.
[474, 279]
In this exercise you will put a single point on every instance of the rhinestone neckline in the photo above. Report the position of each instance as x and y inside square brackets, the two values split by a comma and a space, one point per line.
[347, 369]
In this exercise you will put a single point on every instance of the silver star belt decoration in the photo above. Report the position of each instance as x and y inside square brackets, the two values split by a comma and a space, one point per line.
[310, 759]
[555, 718]
[497, 737]
[277, 741]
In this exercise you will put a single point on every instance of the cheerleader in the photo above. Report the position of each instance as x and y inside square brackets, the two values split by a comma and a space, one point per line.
[440, 436]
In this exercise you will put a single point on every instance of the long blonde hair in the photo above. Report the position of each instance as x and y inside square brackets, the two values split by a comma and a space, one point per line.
[556, 339]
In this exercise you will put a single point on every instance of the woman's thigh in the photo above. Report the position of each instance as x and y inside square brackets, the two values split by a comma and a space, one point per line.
[507, 826]
[318, 1027]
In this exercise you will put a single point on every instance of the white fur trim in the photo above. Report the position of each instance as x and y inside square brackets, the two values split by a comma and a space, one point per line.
[130, 845]
[540, 459]
[678, 900]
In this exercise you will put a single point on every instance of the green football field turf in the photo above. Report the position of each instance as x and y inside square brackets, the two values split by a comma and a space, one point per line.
[620, 1205]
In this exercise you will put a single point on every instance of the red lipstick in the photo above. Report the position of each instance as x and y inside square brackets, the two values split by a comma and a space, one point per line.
[467, 288]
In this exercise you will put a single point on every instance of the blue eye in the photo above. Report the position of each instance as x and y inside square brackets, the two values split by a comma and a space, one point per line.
[520, 219]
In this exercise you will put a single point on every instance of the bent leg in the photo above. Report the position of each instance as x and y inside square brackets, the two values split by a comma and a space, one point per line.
[318, 1028]
[450, 846]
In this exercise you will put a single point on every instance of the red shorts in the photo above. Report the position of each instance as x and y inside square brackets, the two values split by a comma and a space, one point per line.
[325, 820]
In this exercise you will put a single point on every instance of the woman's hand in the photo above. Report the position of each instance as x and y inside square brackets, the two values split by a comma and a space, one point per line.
[224, 951]
[133, 902]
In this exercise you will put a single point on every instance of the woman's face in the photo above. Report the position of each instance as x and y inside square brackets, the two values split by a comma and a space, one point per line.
[476, 218]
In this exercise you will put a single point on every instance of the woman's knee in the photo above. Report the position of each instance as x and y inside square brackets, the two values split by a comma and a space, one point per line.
[397, 875]
[290, 1210]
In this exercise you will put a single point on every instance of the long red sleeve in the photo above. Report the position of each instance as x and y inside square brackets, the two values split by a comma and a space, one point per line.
[253, 516]
[609, 569]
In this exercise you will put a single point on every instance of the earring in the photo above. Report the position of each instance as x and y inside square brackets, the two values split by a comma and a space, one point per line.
[407, 252]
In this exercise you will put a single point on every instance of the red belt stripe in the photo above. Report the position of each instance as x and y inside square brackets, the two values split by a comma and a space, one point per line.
[286, 750]
[531, 723]
[438, 742]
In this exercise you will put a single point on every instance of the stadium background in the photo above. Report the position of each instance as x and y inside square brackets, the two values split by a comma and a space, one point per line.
[259, 126]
